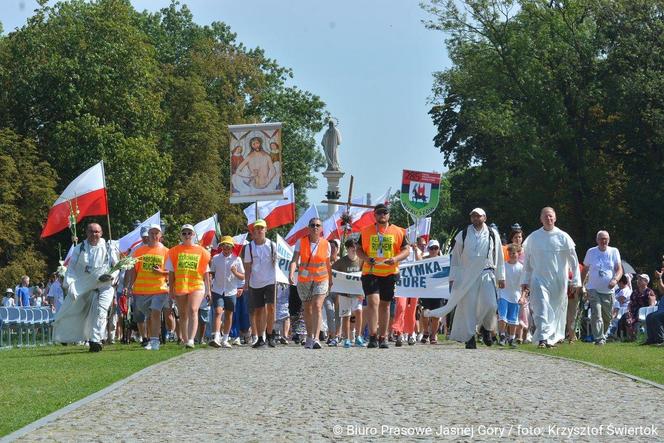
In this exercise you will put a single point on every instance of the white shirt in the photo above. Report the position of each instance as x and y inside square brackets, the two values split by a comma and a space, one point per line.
[55, 292]
[263, 264]
[601, 266]
[8, 302]
[225, 282]
[512, 291]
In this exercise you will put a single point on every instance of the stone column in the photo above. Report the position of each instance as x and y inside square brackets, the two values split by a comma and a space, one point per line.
[333, 193]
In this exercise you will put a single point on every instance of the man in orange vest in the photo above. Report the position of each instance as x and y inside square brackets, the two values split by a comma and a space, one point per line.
[314, 278]
[147, 283]
[381, 247]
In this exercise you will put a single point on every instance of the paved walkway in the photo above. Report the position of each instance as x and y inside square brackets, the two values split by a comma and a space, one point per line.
[291, 394]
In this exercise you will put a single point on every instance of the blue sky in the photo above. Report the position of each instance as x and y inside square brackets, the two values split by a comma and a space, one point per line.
[371, 61]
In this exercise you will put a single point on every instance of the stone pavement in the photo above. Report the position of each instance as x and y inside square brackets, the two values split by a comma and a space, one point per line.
[291, 394]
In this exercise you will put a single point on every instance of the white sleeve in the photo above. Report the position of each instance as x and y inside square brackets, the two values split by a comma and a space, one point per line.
[247, 254]
[297, 246]
[169, 265]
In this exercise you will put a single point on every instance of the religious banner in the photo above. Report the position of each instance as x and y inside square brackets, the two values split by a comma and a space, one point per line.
[284, 257]
[256, 166]
[420, 192]
[423, 279]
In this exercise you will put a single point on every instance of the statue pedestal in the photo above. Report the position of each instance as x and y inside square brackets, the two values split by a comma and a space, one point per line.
[333, 193]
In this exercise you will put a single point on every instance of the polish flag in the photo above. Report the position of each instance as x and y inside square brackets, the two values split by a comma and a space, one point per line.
[423, 229]
[206, 231]
[240, 241]
[133, 239]
[87, 193]
[363, 217]
[276, 212]
[300, 229]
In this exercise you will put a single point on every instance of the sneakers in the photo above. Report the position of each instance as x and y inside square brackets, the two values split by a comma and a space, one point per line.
[254, 340]
[308, 343]
[601, 342]
[471, 344]
[226, 345]
[347, 344]
[513, 344]
[359, 341]
[433, 340]
[486, 337]
[332, 342]
[399, 341]
[502, 341]
[189, 344]
[542, 344]
[424, 339]
[419, 337]
[270, 341]
[373, 342]
[145, 342]
[383, 343]
[316, 345]
[214, 343]
[411, 340]
[152, 346]
[236, 341]
[260, 343]
[283, 340]
[95, 347]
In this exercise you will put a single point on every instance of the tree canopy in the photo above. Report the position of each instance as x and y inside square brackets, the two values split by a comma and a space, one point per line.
[152, 95]
[556, 103]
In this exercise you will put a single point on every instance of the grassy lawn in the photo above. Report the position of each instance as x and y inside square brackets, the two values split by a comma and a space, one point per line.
[643, 361]
[38, 381]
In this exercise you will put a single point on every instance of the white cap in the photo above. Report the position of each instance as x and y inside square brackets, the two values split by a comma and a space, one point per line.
[335, 241]
[478, 211]
[9, 291]
[433, 243]
[144, 231]
[187, 226]
[645, 277]
[154, 226]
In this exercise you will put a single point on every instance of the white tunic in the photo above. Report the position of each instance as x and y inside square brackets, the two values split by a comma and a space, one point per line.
[475, 265]
[550, 255]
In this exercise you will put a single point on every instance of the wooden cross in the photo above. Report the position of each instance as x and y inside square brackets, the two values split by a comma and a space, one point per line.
[349, 204]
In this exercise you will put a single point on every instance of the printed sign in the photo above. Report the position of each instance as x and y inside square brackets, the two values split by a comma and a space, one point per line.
[420, 192]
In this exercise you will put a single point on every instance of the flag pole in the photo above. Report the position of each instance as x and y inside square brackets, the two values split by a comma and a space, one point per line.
[108, 209]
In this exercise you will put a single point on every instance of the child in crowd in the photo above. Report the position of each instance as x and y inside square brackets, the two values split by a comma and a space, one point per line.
[620, 302]
[350, 304]
[282, 323]
[510, 298]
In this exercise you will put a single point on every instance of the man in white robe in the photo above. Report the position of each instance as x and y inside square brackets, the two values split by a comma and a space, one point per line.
[89, 287]
[475, 265]
[549, 257]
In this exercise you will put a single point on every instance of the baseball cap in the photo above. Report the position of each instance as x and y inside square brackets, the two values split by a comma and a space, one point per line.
[478, 211]
[187, 226]
[154, 226]
[645, 277]
[9, 291]
[381, 206]
[260, 222]
[433, 243]
[227, 240]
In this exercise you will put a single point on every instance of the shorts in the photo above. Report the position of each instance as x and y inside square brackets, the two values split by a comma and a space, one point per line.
[432, 303]
[203, 315]
[259, 297]
[508, 312]
[226, 302]
[383, 286]
[147, 303]
[308, 290]
[349, 304]
[283, 294]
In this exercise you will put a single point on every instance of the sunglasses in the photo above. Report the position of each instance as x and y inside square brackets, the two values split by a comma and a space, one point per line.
[382, 212]
[186, 233]
[315, 225]
[434, 247]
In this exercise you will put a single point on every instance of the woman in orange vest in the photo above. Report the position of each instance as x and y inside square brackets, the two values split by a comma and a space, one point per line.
[188, 281]
[314, 278]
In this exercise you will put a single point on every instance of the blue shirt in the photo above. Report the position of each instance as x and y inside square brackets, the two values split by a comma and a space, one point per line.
[23, 296]
[660, 305]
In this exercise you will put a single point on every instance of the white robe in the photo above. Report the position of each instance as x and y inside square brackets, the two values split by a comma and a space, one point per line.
[550, 255]
[84, 311]
[474, 289]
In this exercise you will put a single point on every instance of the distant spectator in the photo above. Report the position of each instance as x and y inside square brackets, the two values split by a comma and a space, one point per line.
[641, 297]
[23, 292]
[620, 302]
[8, 299]
[655, 320]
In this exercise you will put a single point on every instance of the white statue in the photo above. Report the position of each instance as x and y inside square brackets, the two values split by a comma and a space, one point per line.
[331, 140]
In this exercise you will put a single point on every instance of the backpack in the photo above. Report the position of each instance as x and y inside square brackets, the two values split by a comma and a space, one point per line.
[492, 237]
[251, 252]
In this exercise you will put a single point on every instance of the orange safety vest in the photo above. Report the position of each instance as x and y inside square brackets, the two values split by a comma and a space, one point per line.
[147, 281]
[383, 246]
[190, 264]
[313, 267]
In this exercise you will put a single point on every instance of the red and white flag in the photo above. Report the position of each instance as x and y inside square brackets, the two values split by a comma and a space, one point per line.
[86, 194]
[65, 262]
[206, 231]
[276, 212]
[240, 241]
[300, 229]
[363, 217]
[423, 229]
[133, 239]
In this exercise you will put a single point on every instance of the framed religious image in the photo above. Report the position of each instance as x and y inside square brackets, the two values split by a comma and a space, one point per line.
[256, 167]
